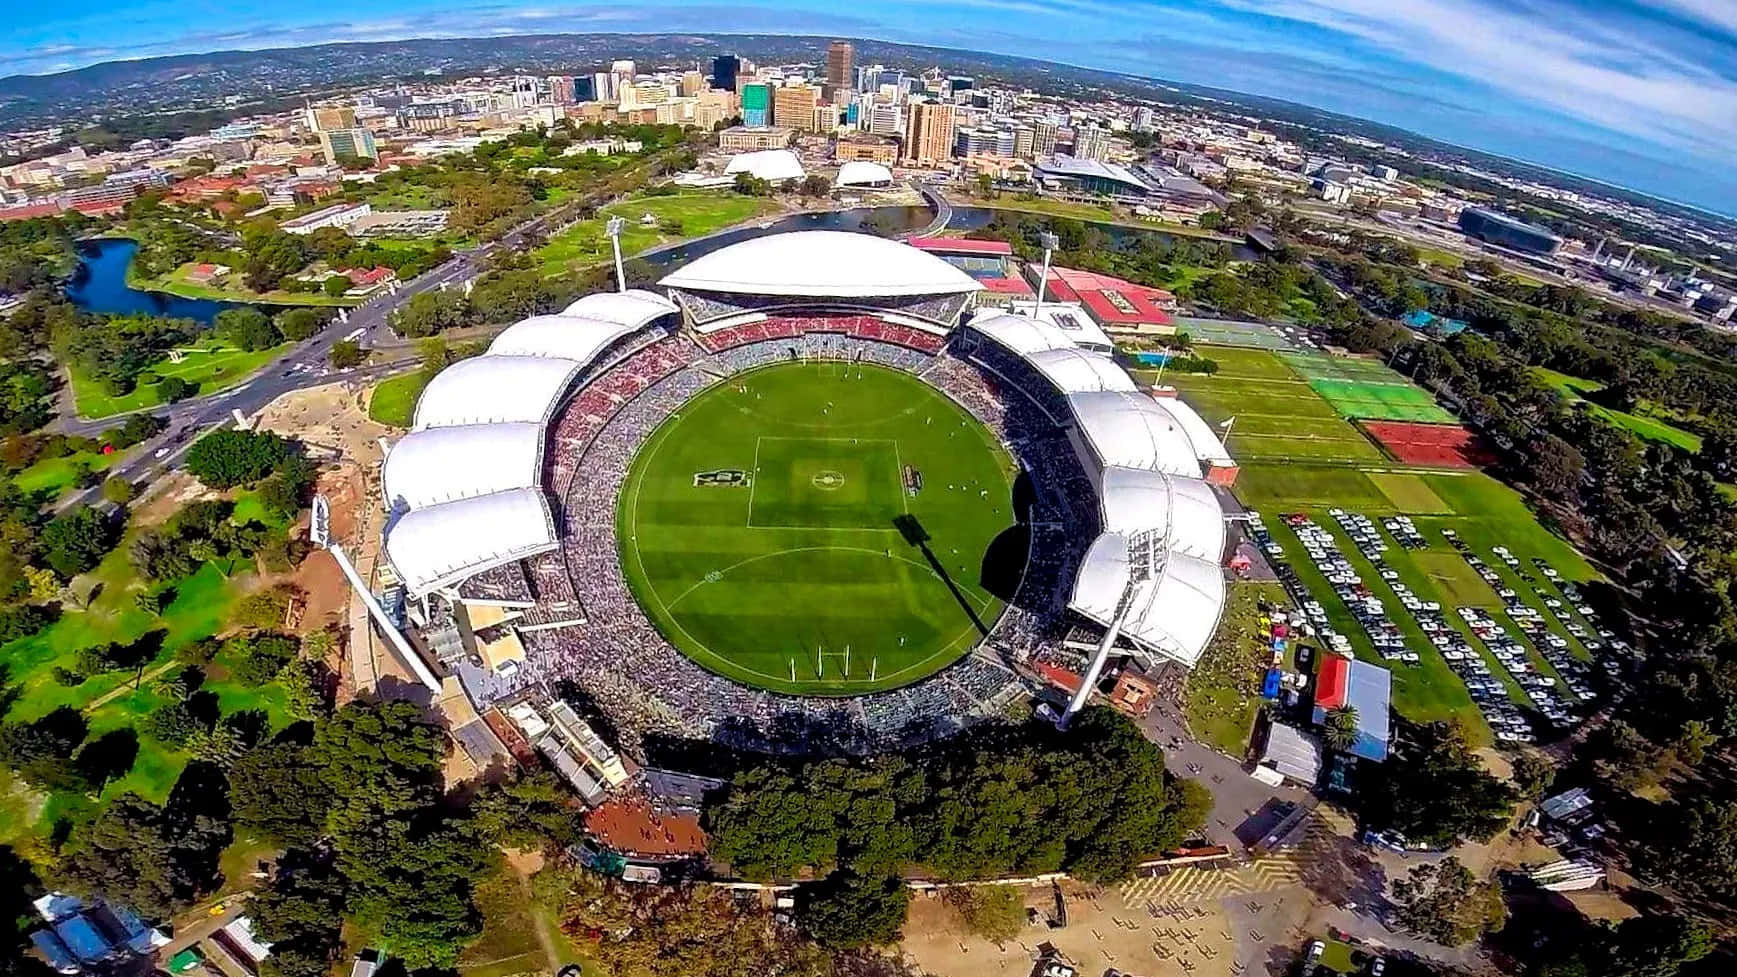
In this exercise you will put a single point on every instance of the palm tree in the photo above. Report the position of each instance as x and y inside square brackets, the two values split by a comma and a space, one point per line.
[1339, 728]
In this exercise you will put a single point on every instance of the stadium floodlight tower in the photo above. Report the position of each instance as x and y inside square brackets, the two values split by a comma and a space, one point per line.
[1147, 552]
[1050, 243]
[320, 532]
[613, 227]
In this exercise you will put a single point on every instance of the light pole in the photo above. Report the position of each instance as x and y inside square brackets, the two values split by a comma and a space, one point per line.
[1049, 242]
[613, 227]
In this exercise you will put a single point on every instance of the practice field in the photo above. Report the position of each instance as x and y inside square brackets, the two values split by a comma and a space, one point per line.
[821, 529]
[1380, 400]
[1440, 445]
[1232, 332]
[1278, 417]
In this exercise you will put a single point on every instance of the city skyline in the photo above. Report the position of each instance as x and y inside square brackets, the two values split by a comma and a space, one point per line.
[1638, 93]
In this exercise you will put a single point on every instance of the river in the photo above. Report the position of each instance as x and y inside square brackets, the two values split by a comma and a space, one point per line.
[100, 285]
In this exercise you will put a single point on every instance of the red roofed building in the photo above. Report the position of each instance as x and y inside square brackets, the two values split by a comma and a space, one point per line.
[960, 245]
[29, 211]
[1059, 677]
[206, 187]
[1115, 304]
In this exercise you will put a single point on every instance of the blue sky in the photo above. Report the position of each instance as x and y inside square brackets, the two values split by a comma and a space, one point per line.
[1641, 93]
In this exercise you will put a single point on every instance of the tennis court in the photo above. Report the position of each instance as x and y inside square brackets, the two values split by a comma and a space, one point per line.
[1232, 332]
[1380, 400]
[1444, 445]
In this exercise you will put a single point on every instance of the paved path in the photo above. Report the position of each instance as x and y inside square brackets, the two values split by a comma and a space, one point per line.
[1193, 883]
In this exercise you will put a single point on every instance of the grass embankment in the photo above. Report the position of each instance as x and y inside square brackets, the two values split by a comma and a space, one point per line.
[51, 477]
[1649, 422]
[1224, 688]
[1095, 213]
[393, 402]
[678, 217]
[210, 366]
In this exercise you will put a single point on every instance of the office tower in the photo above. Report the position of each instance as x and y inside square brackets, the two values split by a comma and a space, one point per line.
[560, 89]
[793, 107]
[725, 67]
[957, 84]
[840, 66]
[756, 105]
[335, 143]
[1143, 119]
[1024, 139]
[585, 88]
[1043, 142]
[1091, 142]
[603, 86]
[929, 134]
[885, 119]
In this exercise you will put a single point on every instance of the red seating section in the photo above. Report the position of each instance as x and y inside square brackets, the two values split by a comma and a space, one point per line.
[857, 326]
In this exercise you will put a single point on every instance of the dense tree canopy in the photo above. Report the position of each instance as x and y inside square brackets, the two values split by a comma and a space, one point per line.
[226, 458]
[1438, 792]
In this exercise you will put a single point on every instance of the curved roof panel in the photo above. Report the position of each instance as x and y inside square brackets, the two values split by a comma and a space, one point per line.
[567, 337]
[494, 390]
[1020, 334]
[1075, 371]
[1174, 614]
[444, 464]
[821, 263]
[1201, 436]
[861, 172]
[767, 164]
[1128, 430]
[1187, 510]
[446, 543]
[635, 307]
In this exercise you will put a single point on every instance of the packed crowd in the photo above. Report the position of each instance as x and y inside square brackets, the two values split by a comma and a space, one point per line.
[789, 327]
[704, 307]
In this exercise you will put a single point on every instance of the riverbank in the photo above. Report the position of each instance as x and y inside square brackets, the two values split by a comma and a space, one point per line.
[176, 283]
[1090, 213]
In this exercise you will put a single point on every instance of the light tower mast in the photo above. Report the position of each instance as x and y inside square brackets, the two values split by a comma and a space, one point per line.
[320, 532]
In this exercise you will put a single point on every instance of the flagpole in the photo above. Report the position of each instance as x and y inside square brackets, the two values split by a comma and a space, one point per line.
[1224, 438]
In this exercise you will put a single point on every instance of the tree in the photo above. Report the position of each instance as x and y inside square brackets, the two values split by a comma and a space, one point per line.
[336, 285]
[173, 390]
[300, 912]
[156, 860]
[1533, 773]
[118, 490]
[846, 911]
[277, 792]
[306, 685]
[1339, 727]
[750, 185]
[77, 541]
[296, 325]
[1440, 795]
[226, 458]
[42, 750]
[1445, 902]
[1699, 851]
[534, 811]
[994, 912]
[260, 657]
[247, 328]
[347, 353]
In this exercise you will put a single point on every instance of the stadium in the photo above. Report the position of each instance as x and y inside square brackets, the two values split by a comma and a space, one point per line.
[807, 498]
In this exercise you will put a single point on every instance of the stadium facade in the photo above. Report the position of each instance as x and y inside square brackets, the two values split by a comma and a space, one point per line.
[501, 498]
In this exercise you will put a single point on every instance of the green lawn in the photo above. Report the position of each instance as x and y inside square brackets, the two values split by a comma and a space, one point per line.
[787, 495]
[1224, 687]
[1096, 213]
[230, 289]
[393, 401]
[1278, 416]
[1651, 423]
[53, 476]
[200, 608]
[1440, 258]
[215, 369]
[586, 244]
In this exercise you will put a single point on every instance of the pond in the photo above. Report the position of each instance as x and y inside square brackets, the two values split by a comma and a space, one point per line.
[100, 285]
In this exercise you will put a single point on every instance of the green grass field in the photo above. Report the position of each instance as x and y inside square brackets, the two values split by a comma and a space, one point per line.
[1224, 687]
[393, 402]
[231, 290]
[777, 492]
[1649, 424]
[215, 369]
[1379, 400]
[585, 243]
[53, 476]
[1278, 416]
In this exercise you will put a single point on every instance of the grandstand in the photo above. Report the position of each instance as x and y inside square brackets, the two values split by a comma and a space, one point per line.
[504, 492]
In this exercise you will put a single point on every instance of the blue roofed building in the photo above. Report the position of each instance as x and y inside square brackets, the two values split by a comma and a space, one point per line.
[1364, 687]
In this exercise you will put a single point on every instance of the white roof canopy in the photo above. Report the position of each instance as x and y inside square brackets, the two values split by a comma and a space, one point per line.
[1021, 334]
[1128, 430]
[862, 172]
[1174, 614]
[821, 264]
[767, 164]
[635, 307]
[444, 464]
[1207, 445]
[1073, 371]
[443, 544]
[568, 337]
[1186, 510]
[493, 390]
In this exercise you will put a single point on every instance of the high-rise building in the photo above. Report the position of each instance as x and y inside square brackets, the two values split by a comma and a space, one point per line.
[793, 107]
[359, 143]
[957, 84]
[585, 88]
[1143, 119]
[603, 86]
[840, 68]
[715, 105]
[929, 134]
[561, 89]
[1024, 141]
[724, 70]
[1044, 138]
[334, 117]
[885, 119]
[756, 105]
[693, 83]
[1091, 142]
